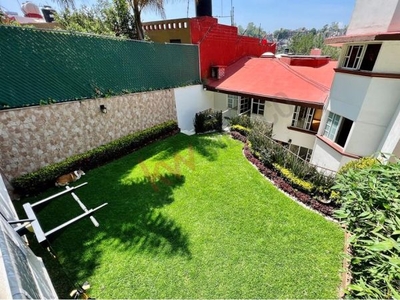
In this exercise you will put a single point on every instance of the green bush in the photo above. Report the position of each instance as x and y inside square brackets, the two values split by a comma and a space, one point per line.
[271, 152]
[370, 212]
[359, 164]
[295, 181]
[362, 163]
[242, 130]
[242, 120]
[207, 120]
[35, 182]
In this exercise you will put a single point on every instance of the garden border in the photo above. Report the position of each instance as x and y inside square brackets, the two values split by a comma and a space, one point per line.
[300, 197]
[256, 163]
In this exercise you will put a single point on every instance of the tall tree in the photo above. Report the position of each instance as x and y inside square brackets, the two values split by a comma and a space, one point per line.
[105, 18]
[138, 6]
[302, 43]
[252, 30]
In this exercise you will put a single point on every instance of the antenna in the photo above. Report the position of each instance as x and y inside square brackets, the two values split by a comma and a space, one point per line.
[187, 12]
[231, 13]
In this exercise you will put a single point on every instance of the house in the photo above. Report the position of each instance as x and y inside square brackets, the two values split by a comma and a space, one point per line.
[287, 91]
[362, 114]
[218, 44]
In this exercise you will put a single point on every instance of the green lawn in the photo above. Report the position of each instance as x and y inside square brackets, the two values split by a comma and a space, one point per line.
[189, 217]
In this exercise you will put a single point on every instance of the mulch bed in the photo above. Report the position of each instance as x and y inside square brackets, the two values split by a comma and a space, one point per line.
[281, 183]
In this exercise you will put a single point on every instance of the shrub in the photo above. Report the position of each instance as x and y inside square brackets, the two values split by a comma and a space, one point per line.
[297, 182]
[359, 164]
[370, 211]
[362, 163]
[207, 120]
[242, 120]
[242, 130]
[35, 182]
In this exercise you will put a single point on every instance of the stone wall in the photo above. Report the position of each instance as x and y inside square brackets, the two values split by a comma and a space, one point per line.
[33, 137]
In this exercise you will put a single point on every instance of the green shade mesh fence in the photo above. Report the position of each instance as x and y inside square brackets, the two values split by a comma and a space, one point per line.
[38, 67]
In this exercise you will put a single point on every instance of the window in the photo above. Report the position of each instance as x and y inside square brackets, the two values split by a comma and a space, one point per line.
[244, 105]
[258, 107]
[304, 153]
[361, 57]
[371, 53]
[233, 101]
[353, 55]
[337, 128]
[303, 117]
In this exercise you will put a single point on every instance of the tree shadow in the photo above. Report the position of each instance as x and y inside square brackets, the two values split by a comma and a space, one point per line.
[131, 223]
[207, 145]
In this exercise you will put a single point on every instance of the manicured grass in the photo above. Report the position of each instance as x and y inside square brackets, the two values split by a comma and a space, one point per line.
[189, 217]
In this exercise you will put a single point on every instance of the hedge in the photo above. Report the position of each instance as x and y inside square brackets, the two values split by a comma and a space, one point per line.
[38, 181]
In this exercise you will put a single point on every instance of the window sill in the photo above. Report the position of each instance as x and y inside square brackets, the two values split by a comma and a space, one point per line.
[367, 73]
[302, 130]
[336, 147]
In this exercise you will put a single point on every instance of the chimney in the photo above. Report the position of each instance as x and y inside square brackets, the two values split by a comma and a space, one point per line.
[203, 8]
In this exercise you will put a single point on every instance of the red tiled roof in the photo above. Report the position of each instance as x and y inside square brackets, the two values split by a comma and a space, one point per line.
[273, 79]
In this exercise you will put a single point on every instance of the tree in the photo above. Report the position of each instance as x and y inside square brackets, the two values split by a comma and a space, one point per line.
[252, 30]
[302, 43]
[282, 34]
[104, 18]
[138, 5]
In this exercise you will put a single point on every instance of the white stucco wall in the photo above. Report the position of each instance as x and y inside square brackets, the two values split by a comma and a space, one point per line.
[376, 113]
[347, 94]
[324, 156]
[281, 116]
[364, 139]
[388, 58]
[190, 100]
[390, 140]
[220, 101]
[380, 102]
[327, 158]
[371, 16]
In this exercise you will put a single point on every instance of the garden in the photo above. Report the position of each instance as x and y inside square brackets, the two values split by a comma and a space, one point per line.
[187, 217]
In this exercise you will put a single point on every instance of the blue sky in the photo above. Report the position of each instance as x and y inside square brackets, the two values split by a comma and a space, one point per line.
[270, 14]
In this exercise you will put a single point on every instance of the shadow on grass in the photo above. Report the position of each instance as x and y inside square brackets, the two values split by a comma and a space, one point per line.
[206, 145]
[131, 222]
[138, 225]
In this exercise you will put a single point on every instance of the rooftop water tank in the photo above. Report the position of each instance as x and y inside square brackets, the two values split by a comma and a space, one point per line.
[203, 8]
[31, 10]
[48, 13]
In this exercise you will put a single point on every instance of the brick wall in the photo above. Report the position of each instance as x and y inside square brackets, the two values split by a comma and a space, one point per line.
[33, 137]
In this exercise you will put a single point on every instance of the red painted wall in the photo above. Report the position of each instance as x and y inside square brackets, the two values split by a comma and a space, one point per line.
[314, 62]
[221, 45]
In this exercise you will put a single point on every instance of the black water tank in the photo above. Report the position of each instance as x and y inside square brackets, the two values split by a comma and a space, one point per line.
[48, 14]
[203, 8]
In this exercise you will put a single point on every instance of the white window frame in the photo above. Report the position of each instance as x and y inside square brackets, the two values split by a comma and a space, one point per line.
[260, 106]
[330, 131]
[297, 152]
[308, 117]
[233, 101]
[244, 105]
[355, 65]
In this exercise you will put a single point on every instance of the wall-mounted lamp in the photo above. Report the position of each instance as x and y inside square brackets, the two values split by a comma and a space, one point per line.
[103, 109]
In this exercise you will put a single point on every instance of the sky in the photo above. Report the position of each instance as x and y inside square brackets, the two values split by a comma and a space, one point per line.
[269, 14]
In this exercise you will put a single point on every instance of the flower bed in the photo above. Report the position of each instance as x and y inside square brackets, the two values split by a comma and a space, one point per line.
[281, 183]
